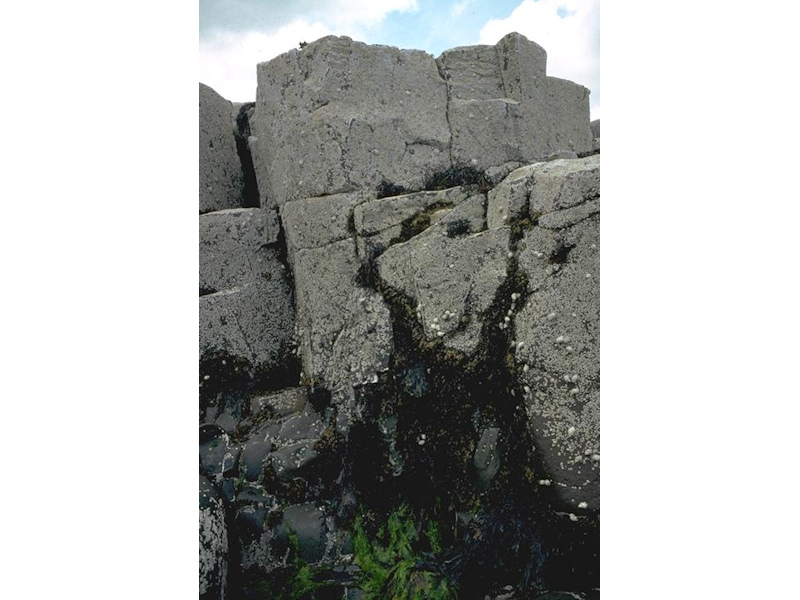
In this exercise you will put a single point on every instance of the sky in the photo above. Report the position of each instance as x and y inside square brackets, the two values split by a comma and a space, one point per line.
[236, 35]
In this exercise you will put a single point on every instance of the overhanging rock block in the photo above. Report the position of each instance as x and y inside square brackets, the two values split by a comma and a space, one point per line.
[341, 115]
[221, 176]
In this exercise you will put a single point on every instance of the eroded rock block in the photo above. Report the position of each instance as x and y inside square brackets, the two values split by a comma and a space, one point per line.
[341, 115]
[451, 278]
[234, 250]
[503, 108]
[254, 321]
[221, 177]
[542, 188]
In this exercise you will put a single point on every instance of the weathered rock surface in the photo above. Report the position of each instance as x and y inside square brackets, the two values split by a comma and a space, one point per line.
[542, 188]
[559, 326]
[344, 328]
[213, 543]
[379, 222]
[341, 115]
[503, 108]
[451, 278]
[253, 321]
[221, 177]
[234, 250]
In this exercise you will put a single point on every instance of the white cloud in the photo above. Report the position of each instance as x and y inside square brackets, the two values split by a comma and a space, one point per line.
[572, 42]
[228, 60]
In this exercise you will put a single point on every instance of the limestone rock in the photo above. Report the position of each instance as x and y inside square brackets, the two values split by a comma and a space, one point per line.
[451, 279]
[213, 543]
[503, 108]
[341, 115]
[234, 251]
[221, 177]
[254, 321]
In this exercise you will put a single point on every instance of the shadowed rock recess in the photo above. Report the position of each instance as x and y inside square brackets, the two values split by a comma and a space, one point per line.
[399, 328]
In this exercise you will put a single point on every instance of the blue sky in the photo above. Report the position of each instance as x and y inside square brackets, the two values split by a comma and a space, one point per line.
[235, 35]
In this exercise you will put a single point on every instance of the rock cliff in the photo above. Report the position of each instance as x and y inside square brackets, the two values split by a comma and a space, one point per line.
[399, 328]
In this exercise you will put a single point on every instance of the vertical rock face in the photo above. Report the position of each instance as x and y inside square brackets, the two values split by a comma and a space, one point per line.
[221, 177]
[559, 325]
[503, 107]
[340, 115]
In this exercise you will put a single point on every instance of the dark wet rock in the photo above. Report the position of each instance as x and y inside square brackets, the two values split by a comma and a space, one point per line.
[307, 522]
[217, 454]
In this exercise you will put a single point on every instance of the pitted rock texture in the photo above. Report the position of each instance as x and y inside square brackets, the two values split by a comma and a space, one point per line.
[234, 250]
[504, 108]
[253, 321]
[341, 115]
[451, 278]
[559, 326]
[542, 188]
[221, 177]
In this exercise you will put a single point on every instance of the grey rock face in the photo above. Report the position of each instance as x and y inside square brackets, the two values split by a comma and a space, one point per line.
[503, 108]
[213, 543]
[559, 327]
[254, 321]
[340, 115]
[344, 328]
[543, 188]
[451, 279]
[595, 128]
[307, 522]
[221, 178]
[379, 222]
[234, 251]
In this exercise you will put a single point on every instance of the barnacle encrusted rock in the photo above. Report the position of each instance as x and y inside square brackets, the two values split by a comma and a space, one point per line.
[560, 326]
[221, 177]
